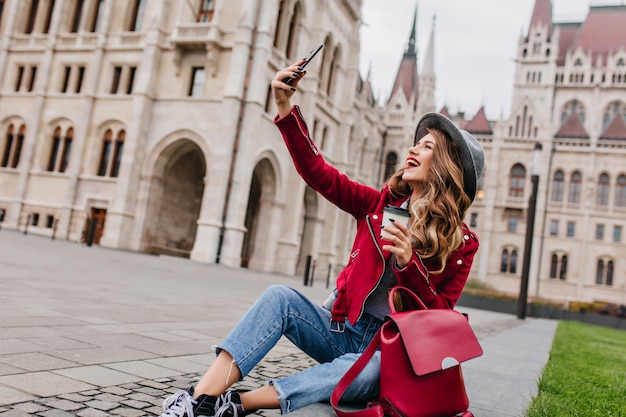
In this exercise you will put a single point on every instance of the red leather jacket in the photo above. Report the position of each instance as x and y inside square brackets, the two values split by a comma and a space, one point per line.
[367, 261]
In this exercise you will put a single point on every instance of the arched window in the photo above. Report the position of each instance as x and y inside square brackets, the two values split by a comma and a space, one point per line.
[558, 184]
[279, 20]
[13, 146]
[269, 100]
[563, 274]
[60, 150]
[600, 272]
[54, 151]
[96, 16]
[136, 17]
[504, 260]
[76, 15]
[18, 147]
[620, 191]
[1, 8]
[513, 264]
[604, 272]
[334, 64]
[517, 180]
[508, 260]
[288, 22]
[105, 153]
[117, 153]
[294, 22]
[323, 70]
[554, 265]
[8, 145]
[575, 185]
[48, 9]
[558, 267]
[575, 107]
[614, 109]
[390, 164]
[67, 148]
[31, 16]
[602, 198]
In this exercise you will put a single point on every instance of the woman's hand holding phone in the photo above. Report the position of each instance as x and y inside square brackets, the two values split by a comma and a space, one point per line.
[286, 80]
[289, 81]
[282, 91]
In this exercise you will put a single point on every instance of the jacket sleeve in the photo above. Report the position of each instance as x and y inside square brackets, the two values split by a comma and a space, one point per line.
[440, 290]
[350, 196]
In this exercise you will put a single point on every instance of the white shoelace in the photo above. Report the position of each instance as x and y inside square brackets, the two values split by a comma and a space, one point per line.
[179, 404]
[224, 403]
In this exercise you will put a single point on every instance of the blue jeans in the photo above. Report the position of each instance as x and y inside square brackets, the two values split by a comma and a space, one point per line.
[284, 311]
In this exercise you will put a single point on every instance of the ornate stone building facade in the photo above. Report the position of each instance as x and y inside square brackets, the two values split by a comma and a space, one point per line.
[568, 127]
[149, 126]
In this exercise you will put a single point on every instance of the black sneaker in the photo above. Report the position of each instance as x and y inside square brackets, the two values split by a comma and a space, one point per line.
[182, 404]
[229, 405]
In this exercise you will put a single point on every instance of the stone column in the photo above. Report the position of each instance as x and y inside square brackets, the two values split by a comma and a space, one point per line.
[82, 130]
[122, 212]
[34, 129]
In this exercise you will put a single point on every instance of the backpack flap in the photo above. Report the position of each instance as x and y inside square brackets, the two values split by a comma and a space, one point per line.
[435, 339]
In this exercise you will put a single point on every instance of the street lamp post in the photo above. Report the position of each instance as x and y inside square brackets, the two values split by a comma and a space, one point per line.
[530, 227]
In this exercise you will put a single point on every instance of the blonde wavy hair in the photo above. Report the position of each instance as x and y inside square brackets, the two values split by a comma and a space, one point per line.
[437, 214]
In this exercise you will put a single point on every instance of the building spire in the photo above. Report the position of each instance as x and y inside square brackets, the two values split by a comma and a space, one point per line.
[427, 77]
[411, 48]
[407, 79]
[428, 67]
[542, 15]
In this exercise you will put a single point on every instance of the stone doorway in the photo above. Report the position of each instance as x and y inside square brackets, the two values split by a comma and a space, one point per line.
[94, 226]
[307, 230]
[175, 199]
[254, 250]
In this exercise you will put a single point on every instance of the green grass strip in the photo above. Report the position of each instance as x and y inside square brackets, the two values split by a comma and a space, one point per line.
[585, 375]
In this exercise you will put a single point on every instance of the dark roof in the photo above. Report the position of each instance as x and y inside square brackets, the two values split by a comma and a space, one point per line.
[445, 112]
[572, 128]
[479, 124]
[602, 33]
[616, 129]
[566, 39]
[406, 79]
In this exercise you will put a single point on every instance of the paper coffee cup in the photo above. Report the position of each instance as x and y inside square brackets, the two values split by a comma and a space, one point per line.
[396, 214]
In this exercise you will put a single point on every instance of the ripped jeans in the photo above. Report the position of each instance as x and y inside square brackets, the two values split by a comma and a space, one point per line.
[281, 310]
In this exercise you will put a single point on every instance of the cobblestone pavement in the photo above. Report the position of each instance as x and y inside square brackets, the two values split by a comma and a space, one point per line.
[144, 397]
[95, 332]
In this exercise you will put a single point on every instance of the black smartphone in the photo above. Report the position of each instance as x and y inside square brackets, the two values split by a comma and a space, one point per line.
[306, 61]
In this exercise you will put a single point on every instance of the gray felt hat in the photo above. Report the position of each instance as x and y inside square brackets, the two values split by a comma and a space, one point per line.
[470, 150]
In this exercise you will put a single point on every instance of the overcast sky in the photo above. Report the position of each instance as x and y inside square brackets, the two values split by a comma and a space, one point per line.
[475, 44]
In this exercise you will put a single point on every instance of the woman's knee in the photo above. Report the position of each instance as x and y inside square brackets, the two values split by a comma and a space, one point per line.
[278, 293]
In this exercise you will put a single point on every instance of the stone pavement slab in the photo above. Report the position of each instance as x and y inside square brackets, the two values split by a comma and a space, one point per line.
[10, 395]
[503, 381]
[43, 384]
[90, 331]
